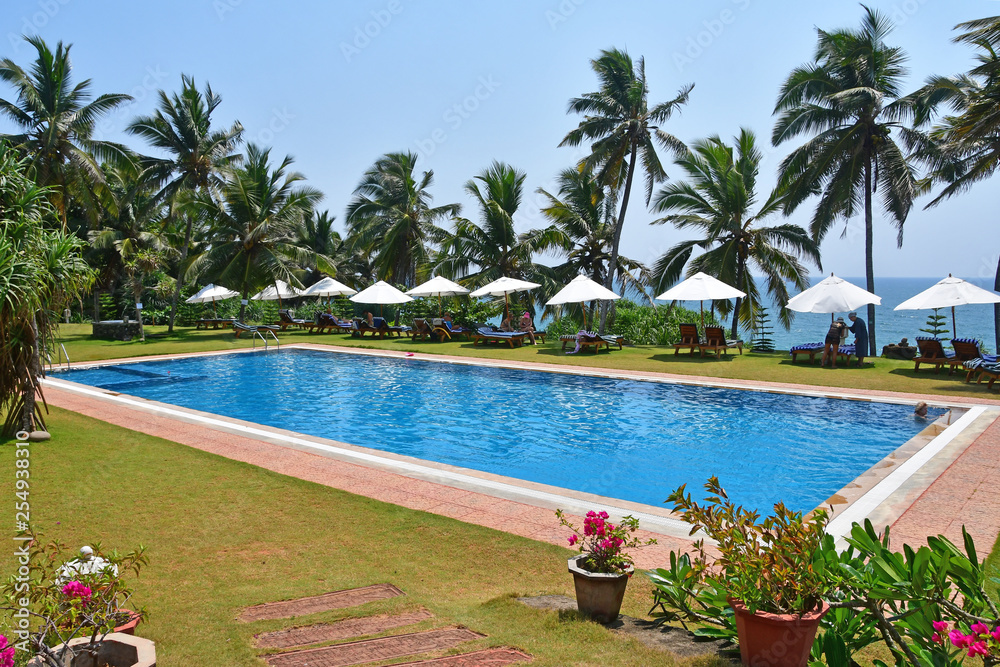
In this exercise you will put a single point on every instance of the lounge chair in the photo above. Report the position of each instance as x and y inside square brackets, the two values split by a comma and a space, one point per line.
[326, 321]
[812, 349]
[967, 349]
[422, 329]
[590, 339]
[213, 323]
[240, 327]
[984, 369]
[285, 320]
[932, 352]
[716, 341]
[689, 338]
[487, 335]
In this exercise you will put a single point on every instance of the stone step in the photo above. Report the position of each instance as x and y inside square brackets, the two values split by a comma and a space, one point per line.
[372, 650]
[352, 597]
[348, 628]
[491, 657]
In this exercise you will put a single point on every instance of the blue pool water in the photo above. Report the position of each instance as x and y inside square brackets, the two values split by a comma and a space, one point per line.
[619, 438]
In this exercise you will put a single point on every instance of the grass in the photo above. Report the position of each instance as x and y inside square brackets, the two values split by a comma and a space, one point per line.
[222, 535]
[884, 374]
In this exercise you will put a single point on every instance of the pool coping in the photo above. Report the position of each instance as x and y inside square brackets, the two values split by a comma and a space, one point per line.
[883, 492]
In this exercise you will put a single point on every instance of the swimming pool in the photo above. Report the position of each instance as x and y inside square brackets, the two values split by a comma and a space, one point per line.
[627, 439]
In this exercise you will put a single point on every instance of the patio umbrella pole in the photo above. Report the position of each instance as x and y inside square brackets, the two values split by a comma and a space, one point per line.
[216, 312]
[701, 306]
[954, 329]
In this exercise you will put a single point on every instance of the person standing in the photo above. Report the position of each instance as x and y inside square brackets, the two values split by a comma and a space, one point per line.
[860, 331]
[837, 331]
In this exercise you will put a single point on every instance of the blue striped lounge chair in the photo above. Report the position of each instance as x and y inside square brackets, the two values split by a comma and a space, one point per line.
[487, 335]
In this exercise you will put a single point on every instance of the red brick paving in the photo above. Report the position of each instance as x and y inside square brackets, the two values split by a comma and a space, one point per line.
[345, 629]
[975, 475]
[313, 605]
[371, 650]
[488, 658]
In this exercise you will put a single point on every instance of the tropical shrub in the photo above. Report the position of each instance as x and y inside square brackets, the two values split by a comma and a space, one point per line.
[605, 544]
[653, 325]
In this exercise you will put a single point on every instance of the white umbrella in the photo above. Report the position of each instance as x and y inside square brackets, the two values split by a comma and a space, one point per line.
[381, 293]
[329, 287]
[212, 293]
[948, 293]
[580, 290]
[832, 295]
[701, 287]
[503, 287]
[438, 286]
[278, 291]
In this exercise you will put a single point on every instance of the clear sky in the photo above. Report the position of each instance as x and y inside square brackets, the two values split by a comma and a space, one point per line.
[337, 84]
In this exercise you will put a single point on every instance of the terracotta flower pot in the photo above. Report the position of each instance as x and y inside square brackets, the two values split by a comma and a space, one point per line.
[776, 640]
[598, 595]
[128, 627]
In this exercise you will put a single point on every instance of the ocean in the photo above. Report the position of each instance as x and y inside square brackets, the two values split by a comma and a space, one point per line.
[974, 321]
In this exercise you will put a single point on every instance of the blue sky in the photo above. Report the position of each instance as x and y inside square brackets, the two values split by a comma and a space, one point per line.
[338, 84]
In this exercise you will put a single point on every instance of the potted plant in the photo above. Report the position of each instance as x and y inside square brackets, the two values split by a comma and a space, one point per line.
[76, 606]
[771, 570]
[602, 570]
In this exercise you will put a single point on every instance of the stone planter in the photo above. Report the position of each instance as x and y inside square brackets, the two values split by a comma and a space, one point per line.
[598, 595]
[117, 650]
[776, 640]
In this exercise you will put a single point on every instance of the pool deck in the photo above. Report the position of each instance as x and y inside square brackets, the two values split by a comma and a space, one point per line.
[962, 488]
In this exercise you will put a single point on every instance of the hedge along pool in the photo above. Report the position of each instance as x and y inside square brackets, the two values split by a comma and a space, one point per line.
[629, 439]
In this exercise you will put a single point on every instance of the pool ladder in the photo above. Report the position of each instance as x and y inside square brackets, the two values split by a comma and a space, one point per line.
[60, 355]
[257, 334]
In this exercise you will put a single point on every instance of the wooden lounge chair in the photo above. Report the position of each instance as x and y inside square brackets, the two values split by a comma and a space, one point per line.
[240, 327]
[932, 352]
[487, 335]
[967, 349]
[213, 323]
[422, 329]
[983, 369]
[809, 349]
[715, 341]
[689, 338]
[285, 320]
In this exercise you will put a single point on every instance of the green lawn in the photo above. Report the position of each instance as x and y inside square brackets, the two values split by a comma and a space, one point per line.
[885, 374]
[222, 535]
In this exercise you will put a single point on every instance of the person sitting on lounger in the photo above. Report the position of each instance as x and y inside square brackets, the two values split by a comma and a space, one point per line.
[370, 318]
[832, 343]
[527, 326]
[446, 321]
[505, 324]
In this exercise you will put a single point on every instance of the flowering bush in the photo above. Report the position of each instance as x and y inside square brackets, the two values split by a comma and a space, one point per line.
[604, 542]
[978, 641]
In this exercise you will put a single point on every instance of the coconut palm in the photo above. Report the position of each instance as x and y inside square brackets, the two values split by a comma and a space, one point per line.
[181, 127]
[584, 213]
[479, 254]
[40, 271]
[317, 235]
[849, 99]
[57, 120]
[254, 226]
[965, 143]
[390, 217]
[619, 122]
[719, 198]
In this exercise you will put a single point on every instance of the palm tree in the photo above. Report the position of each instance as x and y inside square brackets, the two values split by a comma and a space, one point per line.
[182, 128]
[317, 235]
[57, 121]
[584, 215]
[479, 254]
[40, 271]
[254, 226]
[619, 122]
[719, 199]
[390, 217]
[965, 144]
[849, 97]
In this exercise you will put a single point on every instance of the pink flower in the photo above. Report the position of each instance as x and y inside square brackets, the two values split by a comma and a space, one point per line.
[996, 633]
[6, 653]
[573, 539]
[937, 639]
[979, 628]
[940, 626]
[603, 515]
[978, 648]
[75, 589]
[959, 639]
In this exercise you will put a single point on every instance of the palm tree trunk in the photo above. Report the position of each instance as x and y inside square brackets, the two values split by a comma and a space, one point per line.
[996, 311]
[180, 273]
[739, 300]
[869, 260]
[609, 279]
